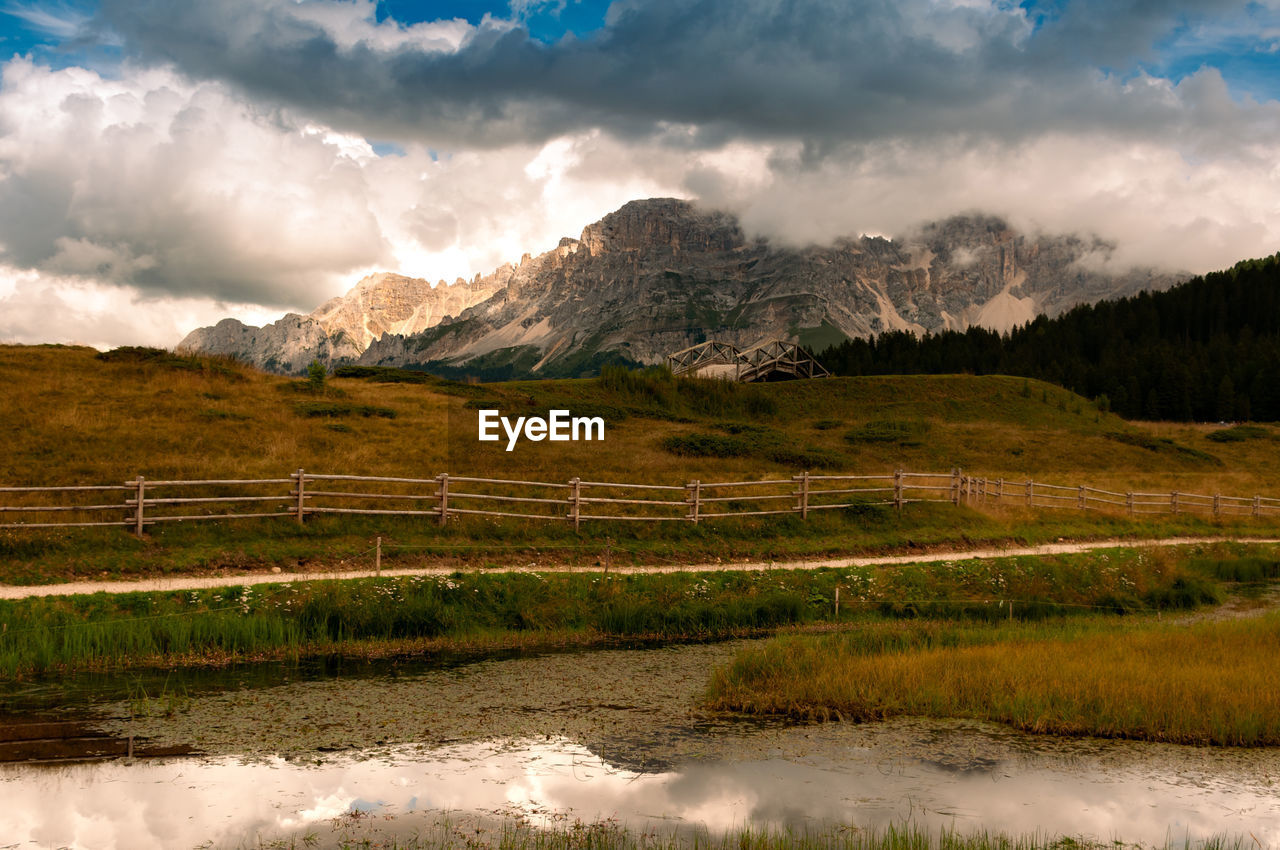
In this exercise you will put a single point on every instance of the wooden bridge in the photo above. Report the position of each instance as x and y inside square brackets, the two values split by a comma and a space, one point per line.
[769, 360]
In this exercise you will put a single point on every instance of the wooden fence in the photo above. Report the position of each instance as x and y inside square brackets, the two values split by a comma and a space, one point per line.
[142, 502]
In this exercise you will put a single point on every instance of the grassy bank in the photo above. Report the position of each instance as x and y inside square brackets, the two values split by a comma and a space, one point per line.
[1206, 683]
[77, 418]
[609, 835]
[493, 609]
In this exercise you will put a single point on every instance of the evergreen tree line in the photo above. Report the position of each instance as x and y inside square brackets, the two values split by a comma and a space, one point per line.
[1206, 350]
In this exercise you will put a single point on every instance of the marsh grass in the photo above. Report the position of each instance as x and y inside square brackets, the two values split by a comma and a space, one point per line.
[612, 835]
[1212, 682]
[107, 631]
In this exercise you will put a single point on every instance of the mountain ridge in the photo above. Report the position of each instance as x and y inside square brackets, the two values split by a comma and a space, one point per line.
[660, 274]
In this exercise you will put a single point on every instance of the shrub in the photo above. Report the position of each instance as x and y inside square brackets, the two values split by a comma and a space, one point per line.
[901, 432]
[333, 410]
[1238, 434]
[315, 377]
[706, 445]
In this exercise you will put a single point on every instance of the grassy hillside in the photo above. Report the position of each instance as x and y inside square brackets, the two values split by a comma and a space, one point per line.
[72, 416]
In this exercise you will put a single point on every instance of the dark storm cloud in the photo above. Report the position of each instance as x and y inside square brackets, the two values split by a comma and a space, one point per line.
[821, 70]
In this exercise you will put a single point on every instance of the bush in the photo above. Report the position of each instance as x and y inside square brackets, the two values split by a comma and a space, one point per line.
[1238, 569]
[1160, 444]
[385, 375]
[1239, 434]
[334, 410]
[654, 386]
[901, 432]
[706, 445]
[315, 377]
[227, 367]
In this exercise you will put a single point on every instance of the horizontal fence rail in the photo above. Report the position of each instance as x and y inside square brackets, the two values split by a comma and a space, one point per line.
[141, 502]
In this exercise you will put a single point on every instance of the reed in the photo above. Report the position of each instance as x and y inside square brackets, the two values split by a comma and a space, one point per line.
[1212, 682]
[610, 835]
[104, 631]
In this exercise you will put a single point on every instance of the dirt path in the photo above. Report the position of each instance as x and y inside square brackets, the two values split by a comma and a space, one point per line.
[201, 583]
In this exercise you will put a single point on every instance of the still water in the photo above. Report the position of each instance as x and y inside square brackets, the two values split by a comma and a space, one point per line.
[602, 735]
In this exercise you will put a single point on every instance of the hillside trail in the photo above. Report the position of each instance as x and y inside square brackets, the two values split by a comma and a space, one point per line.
[179, 583]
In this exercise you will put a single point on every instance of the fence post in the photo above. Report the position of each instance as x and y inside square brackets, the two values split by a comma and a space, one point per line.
[1128, 502]
[1031, 492]
[1217, 504]
[897, 489]
[803, 478]
[575, 501]
[1000, 490]
[443, 495]
[955, 485]
[140, 484]
[1081, 499]
[693, 497]
[1257, 506]
[301, 494]
[1173, 501]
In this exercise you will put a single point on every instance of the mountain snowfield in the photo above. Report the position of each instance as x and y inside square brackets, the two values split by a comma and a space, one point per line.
[661, 274]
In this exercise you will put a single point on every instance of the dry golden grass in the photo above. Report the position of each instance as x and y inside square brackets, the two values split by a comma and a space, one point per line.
[1209, 683]
[71, 418]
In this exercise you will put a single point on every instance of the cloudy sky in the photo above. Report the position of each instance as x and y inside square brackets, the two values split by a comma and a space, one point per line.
[163, 165]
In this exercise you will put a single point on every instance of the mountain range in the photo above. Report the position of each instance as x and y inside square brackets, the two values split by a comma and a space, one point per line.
[661, 274]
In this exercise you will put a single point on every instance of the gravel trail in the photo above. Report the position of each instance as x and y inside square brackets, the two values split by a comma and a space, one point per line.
[204, 582]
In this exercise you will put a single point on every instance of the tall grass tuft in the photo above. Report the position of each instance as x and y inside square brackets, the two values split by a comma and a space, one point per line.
[111, 630]
[611, 835]
[1207, 683]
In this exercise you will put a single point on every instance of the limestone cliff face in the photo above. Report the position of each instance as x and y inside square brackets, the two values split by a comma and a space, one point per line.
[392, 303]
[342, 328]
[285, 346]
[659, 275]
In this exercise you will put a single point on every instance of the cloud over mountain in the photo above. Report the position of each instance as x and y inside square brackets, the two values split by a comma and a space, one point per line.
[268, 153]
[823, 71]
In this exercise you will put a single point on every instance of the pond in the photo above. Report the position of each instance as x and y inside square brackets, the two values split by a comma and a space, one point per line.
[612, 734]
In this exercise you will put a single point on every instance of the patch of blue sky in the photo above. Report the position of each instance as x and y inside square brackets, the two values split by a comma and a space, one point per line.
[59, 34]
[1040, 12]
[1255, 75]
[1244, 48]
[387, 149]
[546, 20]
[30, 26]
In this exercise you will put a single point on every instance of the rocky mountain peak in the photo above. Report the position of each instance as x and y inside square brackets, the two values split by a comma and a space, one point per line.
[662, 224]
[660, 274]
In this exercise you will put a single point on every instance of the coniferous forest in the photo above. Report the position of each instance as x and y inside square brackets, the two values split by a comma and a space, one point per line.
[1206, 350]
